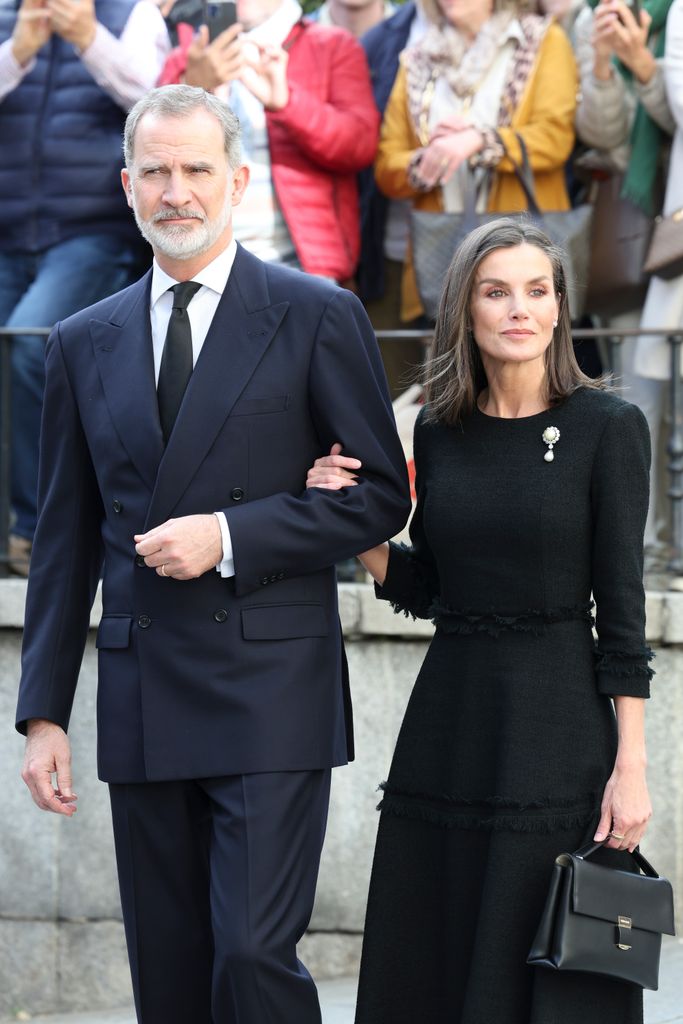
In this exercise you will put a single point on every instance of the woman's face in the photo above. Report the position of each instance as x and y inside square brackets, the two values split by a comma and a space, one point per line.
[514, 305]
[466, 15]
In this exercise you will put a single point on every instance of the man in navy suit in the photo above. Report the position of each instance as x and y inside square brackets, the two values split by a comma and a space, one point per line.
[180, 418]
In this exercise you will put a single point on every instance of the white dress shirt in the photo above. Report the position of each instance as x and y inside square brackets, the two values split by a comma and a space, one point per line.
[201, 310]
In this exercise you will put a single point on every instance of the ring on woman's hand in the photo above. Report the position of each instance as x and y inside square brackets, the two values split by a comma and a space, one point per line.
[164, 573]
[615, 835]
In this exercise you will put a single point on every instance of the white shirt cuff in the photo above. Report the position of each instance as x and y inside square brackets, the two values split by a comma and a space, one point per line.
[226, 567]
[11, 71]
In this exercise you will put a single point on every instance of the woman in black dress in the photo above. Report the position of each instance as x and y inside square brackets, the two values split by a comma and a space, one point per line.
[523, 737]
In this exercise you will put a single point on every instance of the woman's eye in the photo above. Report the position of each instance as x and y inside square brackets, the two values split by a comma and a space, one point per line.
[538, 291]
[495, 293]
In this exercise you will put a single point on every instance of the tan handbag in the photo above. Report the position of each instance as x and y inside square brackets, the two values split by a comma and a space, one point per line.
[665, 255]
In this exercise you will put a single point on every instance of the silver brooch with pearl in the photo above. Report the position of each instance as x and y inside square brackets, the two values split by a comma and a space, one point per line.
[551, 436]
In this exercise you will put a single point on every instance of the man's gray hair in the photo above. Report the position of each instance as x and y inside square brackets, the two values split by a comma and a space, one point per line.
[181, 101]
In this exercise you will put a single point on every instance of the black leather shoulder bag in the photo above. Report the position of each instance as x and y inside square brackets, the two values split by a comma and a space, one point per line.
[603, 920]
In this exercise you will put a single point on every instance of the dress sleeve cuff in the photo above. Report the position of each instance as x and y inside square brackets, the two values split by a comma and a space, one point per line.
[403, 585]
[624, 675]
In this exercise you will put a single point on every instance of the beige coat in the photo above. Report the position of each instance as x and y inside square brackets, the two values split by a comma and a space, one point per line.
[664, 302]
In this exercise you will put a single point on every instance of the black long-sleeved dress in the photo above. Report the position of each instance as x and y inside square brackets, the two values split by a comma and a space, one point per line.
[510, 733]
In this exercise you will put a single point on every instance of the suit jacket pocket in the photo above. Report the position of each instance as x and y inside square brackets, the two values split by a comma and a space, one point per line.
[114, 631]
[283, 621]
[256, 406]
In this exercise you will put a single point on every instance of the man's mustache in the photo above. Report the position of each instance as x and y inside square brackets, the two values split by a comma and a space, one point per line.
[172, 212]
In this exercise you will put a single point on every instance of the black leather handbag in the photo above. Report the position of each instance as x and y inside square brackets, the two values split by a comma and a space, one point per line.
[603, 920]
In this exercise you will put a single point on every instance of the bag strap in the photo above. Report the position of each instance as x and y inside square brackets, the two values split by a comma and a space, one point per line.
[643, 864]
[525, 174]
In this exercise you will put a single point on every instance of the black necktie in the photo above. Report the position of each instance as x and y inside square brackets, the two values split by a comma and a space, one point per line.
[176, 360]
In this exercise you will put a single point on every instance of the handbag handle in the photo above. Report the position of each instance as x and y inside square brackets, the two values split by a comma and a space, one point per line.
[524, 174]
[643, 864]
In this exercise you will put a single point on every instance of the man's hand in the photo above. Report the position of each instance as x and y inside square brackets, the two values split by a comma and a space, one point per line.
[182, 548]
[74, 20]
[265, 76]
[212, 64]
[32, 30]
[48, 751]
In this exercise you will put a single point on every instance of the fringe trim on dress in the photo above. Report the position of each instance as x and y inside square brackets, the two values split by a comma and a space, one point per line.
[467, 621]
[625, 663]
[545, 803]
[417, 603]
[546, 820]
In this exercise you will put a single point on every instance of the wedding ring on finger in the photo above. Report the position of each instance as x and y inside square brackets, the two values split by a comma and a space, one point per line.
[617, 835]
[162, 571]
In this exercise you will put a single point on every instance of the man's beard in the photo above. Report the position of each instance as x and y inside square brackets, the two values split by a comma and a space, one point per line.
[180, 241]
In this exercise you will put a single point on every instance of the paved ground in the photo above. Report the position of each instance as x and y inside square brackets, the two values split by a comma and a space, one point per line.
[337, 998]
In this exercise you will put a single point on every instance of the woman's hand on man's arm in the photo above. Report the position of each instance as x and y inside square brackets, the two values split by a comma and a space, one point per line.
[334, 471]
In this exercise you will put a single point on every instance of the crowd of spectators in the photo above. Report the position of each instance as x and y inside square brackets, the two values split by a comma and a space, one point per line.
[352, 114]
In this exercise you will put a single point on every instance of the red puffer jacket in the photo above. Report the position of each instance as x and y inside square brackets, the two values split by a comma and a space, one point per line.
[326, 134]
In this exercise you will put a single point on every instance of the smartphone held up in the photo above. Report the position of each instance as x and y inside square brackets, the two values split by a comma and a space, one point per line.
[219, 15]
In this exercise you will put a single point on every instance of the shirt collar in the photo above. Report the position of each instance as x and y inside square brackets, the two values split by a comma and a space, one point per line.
[214, 275]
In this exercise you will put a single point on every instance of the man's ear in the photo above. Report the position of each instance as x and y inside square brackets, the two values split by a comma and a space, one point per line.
[127, 186]
[240, 180]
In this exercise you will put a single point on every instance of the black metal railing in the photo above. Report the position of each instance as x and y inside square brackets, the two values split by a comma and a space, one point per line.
[613, 339]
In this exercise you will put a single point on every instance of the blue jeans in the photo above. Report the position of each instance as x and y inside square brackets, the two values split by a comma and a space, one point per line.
[36, 290]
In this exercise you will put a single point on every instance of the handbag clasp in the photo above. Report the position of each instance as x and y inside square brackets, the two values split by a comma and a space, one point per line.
[623, 924]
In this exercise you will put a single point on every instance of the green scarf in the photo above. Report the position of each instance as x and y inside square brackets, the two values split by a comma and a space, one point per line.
[646, 135]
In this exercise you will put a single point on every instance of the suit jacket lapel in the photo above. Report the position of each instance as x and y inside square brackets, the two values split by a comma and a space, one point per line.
[123, 351]
[242, 329]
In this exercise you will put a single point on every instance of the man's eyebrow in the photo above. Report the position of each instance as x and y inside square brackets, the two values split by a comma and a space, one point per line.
[190, 165]
[498, 280]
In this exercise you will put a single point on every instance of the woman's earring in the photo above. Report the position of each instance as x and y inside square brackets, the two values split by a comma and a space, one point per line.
[554, 323]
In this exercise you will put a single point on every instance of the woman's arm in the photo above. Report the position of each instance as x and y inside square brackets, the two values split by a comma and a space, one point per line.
[619, 502]
[334, 471]
[605, 108]
[626, 807]
[407, 577]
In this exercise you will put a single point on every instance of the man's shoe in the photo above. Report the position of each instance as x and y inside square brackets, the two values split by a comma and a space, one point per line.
[19, 555]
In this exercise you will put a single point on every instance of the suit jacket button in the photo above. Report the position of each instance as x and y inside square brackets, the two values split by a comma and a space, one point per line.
[264, 580]
[273, 579]
[220, 615]
[144, 621]
[280, 575]
[116, 505]
[237, 494]
[140, 560]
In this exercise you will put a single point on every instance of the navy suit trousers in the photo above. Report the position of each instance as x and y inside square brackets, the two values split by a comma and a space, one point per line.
[217, 881]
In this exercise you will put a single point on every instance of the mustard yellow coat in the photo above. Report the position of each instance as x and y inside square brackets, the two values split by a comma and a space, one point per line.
[544, 118]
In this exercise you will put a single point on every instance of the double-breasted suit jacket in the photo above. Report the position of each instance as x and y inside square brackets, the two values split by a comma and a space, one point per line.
[210, 676]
